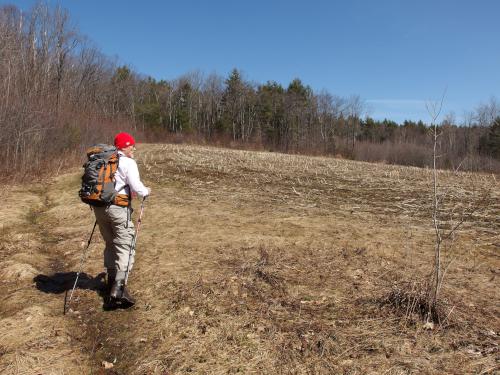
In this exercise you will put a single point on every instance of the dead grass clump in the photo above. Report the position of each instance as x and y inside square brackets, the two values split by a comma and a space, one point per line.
[262, 270]
[13, 271]
[411, 301]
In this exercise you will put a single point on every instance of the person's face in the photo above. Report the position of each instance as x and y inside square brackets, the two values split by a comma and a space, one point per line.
[129, 151]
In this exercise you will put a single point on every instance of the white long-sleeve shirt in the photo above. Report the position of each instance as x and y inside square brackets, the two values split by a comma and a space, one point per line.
[128, 174]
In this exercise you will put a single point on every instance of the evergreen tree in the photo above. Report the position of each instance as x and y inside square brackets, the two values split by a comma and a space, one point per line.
[490, 143]
[183, 115]
[231, 101]
[271, 112]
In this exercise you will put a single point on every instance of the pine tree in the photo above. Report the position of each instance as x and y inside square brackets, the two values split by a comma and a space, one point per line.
[493, 143]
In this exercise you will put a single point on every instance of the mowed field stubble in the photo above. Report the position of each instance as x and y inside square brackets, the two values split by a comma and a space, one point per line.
[257, 263]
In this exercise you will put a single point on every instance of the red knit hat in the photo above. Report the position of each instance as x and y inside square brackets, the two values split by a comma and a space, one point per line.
[124, 140]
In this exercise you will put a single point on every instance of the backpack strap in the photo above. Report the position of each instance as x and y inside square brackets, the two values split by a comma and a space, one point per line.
[102, 177]
[122, 200]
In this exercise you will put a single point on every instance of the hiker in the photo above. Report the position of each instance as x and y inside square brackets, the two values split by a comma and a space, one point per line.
[115, 221]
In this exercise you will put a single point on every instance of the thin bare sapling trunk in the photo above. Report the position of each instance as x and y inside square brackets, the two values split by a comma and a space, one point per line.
[434, 110]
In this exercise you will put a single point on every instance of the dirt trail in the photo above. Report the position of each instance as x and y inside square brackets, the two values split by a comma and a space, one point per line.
[251, 263]
[42, 244]
[34, 336]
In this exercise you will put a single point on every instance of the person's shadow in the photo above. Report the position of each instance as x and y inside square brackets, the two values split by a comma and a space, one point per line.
[63, 282]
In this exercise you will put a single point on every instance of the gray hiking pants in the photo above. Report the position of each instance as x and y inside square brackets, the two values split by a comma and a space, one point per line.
[117, 229]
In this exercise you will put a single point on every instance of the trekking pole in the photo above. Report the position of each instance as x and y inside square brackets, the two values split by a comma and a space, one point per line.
[134, 240]
[84, 255]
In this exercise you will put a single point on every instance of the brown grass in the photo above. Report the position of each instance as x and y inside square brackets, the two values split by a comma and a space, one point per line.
[256, 262]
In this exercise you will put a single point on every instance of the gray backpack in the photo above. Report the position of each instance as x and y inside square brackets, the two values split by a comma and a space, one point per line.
[98, 180]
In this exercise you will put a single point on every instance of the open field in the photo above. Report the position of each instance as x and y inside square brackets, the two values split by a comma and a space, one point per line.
[256, 263]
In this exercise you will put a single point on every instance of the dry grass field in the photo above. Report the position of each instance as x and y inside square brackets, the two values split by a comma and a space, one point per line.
[256, 263]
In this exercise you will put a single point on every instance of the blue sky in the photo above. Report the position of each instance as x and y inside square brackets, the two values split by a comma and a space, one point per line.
[395, 55]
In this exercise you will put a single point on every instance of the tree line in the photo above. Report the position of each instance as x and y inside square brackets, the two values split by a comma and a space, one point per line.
[59, 93]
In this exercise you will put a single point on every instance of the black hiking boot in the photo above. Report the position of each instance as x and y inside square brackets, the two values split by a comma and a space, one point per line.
[120, 295]
[111, 280]
[109, 303]
[127, 300]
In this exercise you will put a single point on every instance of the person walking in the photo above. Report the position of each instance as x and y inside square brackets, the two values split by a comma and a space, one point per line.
[115, 222]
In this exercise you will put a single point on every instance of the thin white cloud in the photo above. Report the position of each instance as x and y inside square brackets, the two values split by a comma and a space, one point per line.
[397, 101]
[398, 109]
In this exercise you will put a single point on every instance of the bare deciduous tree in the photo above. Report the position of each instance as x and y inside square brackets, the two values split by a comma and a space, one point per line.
[434, 110]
